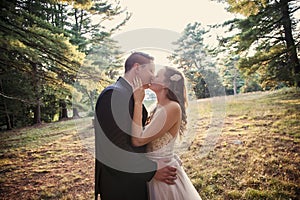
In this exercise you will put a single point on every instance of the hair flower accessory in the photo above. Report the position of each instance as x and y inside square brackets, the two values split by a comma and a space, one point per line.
[175, 77]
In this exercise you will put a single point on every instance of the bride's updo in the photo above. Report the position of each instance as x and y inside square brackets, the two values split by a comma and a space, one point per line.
[177, 91]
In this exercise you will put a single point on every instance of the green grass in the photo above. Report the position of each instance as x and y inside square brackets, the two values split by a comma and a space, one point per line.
[256, 156]
[239, 147]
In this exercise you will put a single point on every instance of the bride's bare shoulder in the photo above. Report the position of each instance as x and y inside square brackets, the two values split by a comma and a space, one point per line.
[173, 107]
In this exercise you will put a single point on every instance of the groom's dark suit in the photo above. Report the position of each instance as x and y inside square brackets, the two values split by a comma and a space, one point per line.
[121, 170]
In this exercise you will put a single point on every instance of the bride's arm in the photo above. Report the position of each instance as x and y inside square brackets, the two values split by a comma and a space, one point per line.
[163, 120]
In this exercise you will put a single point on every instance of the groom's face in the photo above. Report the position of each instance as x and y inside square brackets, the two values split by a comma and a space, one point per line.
[146, 73]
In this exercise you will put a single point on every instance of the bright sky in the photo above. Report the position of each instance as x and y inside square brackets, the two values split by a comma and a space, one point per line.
[160, 22]
[155, 24]
[173, 14]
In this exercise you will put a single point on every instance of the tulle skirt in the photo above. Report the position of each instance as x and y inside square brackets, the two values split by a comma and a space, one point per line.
[183, 188]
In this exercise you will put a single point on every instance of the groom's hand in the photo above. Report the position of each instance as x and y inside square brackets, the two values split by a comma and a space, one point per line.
[166, 174]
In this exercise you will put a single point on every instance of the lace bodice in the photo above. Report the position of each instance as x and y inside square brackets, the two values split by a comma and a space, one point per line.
[162, 147]
[159, 142]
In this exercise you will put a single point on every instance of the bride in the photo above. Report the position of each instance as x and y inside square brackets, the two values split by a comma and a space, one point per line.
[167, 122]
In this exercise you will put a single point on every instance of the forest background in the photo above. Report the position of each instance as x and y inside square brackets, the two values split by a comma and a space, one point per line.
[55, 59]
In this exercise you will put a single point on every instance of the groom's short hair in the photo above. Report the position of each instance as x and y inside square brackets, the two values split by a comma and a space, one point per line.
[137, 57]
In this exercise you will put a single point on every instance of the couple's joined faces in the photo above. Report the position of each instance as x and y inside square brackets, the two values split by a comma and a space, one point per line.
[158, 81]
[146, 73]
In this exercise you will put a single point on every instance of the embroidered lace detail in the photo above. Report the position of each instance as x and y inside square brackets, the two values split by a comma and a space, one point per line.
[160, 142]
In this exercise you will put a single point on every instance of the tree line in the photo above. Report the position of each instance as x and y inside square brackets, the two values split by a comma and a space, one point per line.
[58, 55]
[257, 51]
[43, 46]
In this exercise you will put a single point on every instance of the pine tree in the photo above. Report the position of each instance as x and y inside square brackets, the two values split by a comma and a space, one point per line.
[40, 56]
[193, 56]
[267, 40]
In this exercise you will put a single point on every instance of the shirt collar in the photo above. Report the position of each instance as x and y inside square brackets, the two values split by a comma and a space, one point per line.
[124, 83]
[127, 81]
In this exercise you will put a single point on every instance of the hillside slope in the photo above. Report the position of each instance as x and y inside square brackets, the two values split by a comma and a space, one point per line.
[256, 154]
[236, 147]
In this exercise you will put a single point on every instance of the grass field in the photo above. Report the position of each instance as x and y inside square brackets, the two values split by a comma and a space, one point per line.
[236, 147]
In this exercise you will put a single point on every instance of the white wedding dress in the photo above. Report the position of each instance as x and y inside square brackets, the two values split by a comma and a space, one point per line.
[183, 189]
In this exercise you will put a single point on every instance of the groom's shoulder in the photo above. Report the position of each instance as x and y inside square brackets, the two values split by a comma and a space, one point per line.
[108, 88]
[114, 88]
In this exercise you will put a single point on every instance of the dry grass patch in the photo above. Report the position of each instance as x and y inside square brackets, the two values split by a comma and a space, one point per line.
[257, 153]
[242, 147]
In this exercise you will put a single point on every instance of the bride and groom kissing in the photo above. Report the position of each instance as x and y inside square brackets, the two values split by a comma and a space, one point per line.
[135, 157]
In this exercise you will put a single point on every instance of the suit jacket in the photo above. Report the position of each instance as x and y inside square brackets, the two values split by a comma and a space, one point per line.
[121, 171]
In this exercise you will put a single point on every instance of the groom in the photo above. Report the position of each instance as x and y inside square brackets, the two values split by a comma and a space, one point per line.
[122, 171]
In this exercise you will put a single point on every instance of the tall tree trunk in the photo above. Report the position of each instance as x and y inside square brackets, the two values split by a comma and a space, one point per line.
[63, 110]
[37, 112]
[7, 116]
[36, 83]
[292, 51]
[75, 113]
[9, 124]
[234, 85]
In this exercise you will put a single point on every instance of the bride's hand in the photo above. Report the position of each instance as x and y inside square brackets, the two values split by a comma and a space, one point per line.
[138, 90]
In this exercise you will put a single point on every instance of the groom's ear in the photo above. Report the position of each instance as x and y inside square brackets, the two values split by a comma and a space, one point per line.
[136, 67]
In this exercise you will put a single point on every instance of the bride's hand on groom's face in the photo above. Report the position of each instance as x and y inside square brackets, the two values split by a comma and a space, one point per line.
[165, 174]
[138, 90]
